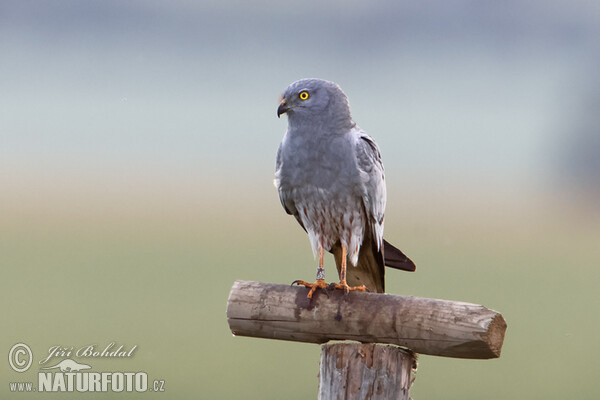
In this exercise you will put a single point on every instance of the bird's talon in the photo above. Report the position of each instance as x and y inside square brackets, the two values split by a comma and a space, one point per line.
[320, 283]
[347, 289]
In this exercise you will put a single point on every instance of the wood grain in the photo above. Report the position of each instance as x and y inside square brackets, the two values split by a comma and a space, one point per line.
[358, 371]
[427, 326]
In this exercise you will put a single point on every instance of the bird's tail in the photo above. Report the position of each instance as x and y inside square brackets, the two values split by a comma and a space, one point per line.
[394, 258]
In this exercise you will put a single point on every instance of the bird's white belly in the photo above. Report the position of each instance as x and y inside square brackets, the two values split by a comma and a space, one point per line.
[329, 216]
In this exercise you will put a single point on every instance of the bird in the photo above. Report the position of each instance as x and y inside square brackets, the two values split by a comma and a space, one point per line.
[330, 177]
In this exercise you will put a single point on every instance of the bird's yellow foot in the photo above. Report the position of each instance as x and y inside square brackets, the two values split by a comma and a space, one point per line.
[344, 286]
[320, 283]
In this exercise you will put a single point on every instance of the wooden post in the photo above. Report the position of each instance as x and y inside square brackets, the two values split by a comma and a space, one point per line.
[357, 371]
[365, 370]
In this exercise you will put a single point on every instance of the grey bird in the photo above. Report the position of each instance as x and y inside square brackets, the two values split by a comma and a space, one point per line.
[330, 177]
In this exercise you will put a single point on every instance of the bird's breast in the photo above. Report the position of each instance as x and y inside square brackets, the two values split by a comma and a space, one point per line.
[322, 163]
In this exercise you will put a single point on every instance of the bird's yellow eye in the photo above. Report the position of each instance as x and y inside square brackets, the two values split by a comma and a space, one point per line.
[303, 95]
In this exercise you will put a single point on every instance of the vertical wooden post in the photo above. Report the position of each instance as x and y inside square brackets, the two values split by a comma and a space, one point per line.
[369, 369]
[358, 371]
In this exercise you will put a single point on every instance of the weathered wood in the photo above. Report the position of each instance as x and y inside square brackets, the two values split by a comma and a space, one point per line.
[427, 326]
[358, 371]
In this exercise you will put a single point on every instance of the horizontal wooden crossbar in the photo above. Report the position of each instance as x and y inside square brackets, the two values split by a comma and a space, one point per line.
[428, 326]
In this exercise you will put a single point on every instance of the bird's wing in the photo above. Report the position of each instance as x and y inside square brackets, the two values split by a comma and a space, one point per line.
[288, 204]
[370, 268]
[369, 163]
[374, 197]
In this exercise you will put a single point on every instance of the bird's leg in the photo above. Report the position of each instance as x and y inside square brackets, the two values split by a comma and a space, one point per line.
[343, 285]
[320, 283]
[320, 269]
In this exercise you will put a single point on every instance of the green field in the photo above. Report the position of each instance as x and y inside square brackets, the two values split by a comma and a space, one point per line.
[85, 271]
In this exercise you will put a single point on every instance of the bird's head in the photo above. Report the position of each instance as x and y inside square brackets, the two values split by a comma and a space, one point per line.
[314, 99]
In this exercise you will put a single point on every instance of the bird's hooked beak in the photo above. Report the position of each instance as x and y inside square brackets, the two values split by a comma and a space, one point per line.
[283, 108]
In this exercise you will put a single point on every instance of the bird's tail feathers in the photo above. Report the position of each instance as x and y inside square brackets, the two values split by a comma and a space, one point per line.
[394, 258]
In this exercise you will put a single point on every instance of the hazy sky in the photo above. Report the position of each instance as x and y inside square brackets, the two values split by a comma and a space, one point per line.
[452, 89]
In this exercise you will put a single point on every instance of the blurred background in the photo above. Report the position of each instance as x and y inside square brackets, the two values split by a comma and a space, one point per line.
[137, 151]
